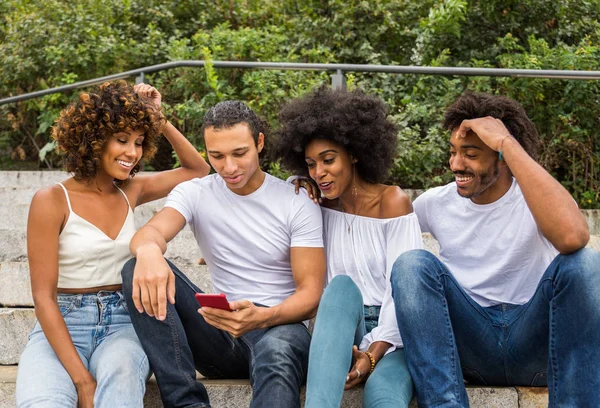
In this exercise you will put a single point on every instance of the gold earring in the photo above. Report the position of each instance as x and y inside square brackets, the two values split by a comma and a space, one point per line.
[354, 190]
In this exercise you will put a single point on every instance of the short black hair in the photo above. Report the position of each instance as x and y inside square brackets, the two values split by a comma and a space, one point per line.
[227, 114]
[473, 105]
[352, 119]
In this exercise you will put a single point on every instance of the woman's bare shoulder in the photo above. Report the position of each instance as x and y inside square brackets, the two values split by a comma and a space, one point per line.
[394, 202]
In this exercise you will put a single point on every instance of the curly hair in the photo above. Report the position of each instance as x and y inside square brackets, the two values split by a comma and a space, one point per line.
[352, 119]
[478, 105]
[85, 125]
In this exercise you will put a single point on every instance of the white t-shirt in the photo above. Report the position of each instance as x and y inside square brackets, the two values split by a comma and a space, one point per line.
[246, 240]
[367, 255]
[495, 251]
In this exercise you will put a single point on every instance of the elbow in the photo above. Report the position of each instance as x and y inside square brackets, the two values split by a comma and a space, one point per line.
[573, 241]
[200, 170]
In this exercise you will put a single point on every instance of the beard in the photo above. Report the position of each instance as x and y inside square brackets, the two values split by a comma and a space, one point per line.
[484, 180]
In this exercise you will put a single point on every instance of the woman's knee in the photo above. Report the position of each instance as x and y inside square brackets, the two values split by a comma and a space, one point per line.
[341, 291]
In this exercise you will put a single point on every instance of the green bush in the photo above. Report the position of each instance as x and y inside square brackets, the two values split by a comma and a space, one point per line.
[47, 43]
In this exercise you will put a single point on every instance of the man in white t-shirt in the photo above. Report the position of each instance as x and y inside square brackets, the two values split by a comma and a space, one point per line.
[264, 250]
[514, 298]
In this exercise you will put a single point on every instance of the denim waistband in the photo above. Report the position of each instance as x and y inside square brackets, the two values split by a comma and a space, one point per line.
[371, 311]
[103, 296]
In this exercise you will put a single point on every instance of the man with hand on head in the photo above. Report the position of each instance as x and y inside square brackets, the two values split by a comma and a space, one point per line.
[264, 249]
[514, 298]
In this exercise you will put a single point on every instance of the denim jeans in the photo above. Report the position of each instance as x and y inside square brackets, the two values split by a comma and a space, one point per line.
[553, 339]
[340, 324]
[102, 333]
[275, 359]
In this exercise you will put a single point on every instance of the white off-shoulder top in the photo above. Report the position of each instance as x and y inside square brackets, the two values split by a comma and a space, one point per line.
[367, 254]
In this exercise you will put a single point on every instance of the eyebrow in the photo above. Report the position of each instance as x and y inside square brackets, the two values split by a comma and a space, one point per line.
[324, 152]
[465, 147]
[238, 150]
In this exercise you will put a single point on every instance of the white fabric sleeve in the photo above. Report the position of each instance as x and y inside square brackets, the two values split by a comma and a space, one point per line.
[420, 205]
[307, 222]
[179, 199]
[403, 235]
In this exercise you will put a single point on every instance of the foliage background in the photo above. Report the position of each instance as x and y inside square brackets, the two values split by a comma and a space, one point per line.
[47, 43]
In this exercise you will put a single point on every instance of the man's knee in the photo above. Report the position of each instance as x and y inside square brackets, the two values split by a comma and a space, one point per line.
[582, 265]
[283, 352]
[411, 265]
[127, 275]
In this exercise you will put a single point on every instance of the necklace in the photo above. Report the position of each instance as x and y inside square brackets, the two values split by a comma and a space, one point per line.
[349, 224]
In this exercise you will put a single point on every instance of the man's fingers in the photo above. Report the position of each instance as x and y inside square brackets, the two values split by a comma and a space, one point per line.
[146, 300]
[161, 306]
[135, 295]
[171, 288]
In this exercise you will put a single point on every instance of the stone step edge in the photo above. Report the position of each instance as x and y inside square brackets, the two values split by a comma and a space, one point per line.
[222, 391]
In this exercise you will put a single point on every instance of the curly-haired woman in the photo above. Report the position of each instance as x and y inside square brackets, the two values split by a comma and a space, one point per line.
[345, 143]
[83, 350]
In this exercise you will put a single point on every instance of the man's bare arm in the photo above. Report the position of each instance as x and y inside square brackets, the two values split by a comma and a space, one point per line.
[153, 280]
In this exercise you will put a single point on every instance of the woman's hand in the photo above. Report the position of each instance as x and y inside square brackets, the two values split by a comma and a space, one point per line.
[310, 186]
[85, 393]
[149, 92]
[360, 369]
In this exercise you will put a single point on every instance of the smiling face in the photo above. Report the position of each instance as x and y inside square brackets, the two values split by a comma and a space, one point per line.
[330, 166]
[234, 156]
[478, 172]
[122, 151]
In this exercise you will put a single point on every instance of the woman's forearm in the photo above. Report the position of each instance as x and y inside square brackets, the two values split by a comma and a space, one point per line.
[186, 152]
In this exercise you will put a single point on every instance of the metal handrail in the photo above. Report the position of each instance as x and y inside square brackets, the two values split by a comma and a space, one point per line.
[338, 78]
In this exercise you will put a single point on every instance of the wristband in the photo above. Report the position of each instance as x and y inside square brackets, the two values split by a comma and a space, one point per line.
[372, 359]
[500, 148]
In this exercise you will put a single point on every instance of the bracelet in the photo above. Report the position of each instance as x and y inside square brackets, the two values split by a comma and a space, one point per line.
[500, 148]
[372, 359]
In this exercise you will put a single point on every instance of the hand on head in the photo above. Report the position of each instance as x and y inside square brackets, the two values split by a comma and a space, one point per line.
[149, 92]
[490, 130]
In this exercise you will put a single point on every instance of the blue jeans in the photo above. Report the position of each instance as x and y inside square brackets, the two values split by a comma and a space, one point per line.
[340, 324]
[554, 339]
[102, 333]
[275, 359]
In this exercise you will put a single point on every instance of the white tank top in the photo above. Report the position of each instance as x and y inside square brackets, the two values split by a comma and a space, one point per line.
[87, 257]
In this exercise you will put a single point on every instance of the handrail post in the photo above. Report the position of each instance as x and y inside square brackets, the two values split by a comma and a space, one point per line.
[338, 80]
[141, 79]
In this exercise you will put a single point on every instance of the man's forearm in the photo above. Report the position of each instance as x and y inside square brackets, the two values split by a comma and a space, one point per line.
[147, 236]
[552, 206]
[296, 308]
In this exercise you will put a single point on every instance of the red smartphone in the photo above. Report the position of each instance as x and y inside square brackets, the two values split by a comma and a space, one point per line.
[218, 301]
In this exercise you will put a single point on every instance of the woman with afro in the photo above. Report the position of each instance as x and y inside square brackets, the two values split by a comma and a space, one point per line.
[83, 350]
[345, 143]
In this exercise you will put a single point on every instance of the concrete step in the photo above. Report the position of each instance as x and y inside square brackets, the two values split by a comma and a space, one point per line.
[18, 187]
[237, 394]
[14, 216]
[13, 246]
[15, 283]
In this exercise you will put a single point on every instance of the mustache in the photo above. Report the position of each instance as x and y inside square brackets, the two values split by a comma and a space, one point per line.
[463, 173]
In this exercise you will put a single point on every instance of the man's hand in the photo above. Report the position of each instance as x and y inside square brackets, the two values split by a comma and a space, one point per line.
[360, 369]
[85, 394]
[149, 92]
[490, 130]
[245, 317]
[153, 283]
